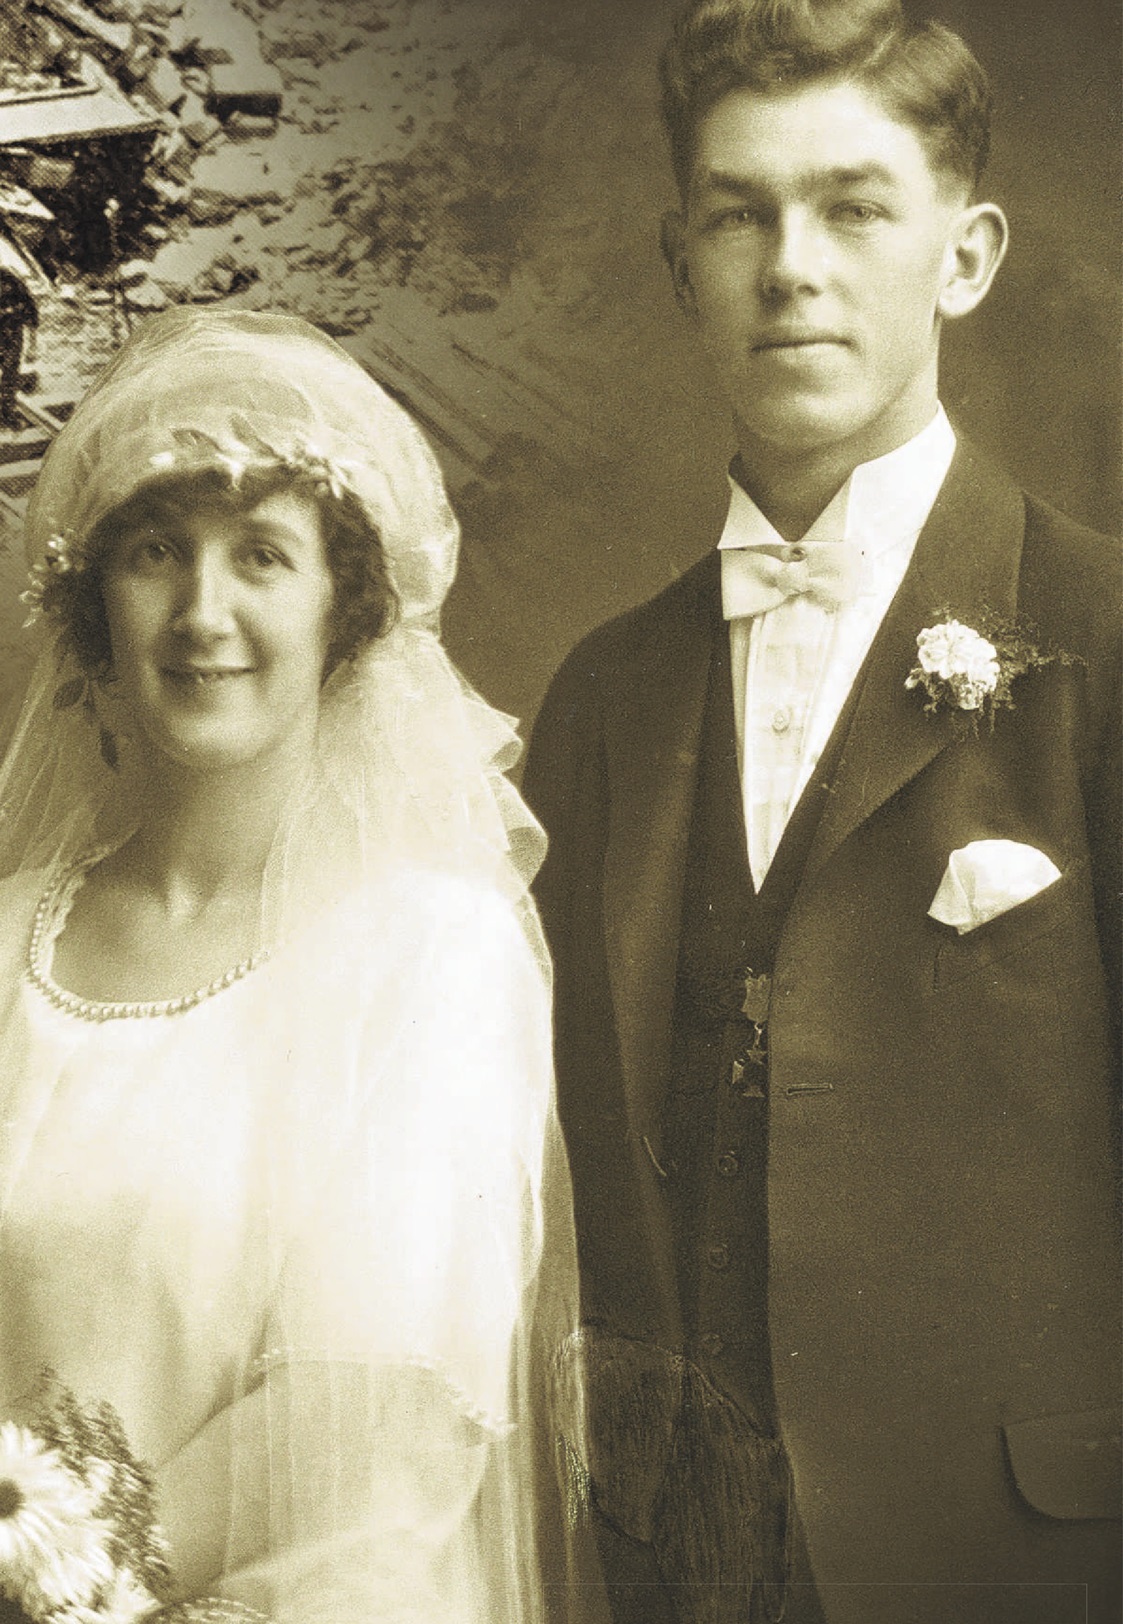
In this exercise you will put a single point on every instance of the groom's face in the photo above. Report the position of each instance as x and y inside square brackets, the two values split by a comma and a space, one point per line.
[812, 250]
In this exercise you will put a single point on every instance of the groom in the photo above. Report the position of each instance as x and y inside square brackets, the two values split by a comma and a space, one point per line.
[831, 892]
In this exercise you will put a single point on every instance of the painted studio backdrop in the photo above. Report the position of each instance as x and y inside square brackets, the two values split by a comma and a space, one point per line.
[467, 193]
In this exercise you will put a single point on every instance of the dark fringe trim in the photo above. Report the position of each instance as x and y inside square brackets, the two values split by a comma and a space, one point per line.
[678, 1466]
[722, 1520]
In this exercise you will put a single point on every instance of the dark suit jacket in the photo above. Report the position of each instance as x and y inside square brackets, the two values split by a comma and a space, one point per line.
[944, 1286]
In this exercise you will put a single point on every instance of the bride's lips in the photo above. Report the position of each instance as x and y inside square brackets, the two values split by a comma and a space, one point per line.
[203, 676]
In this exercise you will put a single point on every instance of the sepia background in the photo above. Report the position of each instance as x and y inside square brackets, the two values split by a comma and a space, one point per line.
[467, 193]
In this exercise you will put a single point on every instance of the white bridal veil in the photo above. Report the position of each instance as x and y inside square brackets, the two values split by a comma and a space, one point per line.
[387, 1222]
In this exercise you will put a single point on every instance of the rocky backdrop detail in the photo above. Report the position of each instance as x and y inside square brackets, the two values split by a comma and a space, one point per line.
[370, 167]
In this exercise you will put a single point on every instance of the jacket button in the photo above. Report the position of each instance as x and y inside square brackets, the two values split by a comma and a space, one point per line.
[712, 1344]
[729, 1164]
[718, 1256]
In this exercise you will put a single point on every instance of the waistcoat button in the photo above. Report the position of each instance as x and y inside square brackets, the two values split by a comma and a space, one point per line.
[712, 1344]
[729, 1164]
[718, 1256]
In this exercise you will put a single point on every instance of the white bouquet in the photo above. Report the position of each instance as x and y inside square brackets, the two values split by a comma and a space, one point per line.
[80, 1542]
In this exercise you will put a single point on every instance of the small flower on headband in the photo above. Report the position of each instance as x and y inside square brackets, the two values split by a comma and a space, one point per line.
[63, 555]
[60, 554]
[329, 476]
[972, 673]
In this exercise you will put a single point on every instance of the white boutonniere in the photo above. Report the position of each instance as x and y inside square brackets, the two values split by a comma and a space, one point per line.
[973, 672]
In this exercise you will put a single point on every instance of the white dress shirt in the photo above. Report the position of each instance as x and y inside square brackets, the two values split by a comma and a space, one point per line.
[794, 665]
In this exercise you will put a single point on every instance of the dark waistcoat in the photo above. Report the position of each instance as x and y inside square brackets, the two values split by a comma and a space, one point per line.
[716, 1131]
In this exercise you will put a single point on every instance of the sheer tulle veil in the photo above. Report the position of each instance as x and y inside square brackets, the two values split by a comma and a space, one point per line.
[415, 753]
[408, 779]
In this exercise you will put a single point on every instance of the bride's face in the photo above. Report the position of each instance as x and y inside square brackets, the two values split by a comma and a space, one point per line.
[218, 616]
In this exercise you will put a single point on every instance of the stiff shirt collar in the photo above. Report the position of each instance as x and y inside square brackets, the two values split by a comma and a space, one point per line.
[883, 505]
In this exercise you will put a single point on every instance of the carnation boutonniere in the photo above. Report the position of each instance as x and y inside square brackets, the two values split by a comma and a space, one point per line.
[973, 672]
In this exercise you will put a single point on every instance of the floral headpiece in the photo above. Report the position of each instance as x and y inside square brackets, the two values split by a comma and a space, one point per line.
[64, 555]
[328, 478]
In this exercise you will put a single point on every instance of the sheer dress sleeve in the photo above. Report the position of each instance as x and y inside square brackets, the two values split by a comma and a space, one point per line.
[382, 1470]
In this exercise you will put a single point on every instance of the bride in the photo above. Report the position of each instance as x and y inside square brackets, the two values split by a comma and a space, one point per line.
[280, 1176]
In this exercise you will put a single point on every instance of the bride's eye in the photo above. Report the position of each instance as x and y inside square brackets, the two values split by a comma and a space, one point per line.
[265, 558]
[145, 550]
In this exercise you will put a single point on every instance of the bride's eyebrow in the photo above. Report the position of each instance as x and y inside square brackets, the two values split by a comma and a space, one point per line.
[270, 529]
[149, 507]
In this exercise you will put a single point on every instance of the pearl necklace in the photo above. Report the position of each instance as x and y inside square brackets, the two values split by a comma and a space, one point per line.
[90, 1009]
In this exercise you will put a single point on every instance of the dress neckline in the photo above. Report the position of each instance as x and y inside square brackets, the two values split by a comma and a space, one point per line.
[50, 917]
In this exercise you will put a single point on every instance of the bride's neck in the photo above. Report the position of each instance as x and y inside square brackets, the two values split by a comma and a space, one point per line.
[206, 836]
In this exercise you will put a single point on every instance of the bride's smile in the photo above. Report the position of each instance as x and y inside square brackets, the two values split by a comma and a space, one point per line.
[218, 612]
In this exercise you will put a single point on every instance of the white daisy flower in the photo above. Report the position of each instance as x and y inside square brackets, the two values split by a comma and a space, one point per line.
[52, 1546]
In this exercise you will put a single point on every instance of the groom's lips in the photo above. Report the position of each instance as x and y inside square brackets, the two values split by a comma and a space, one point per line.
[800, 338]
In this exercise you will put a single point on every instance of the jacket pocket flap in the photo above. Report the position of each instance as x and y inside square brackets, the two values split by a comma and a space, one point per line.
[1066, 900]
[1069, 1465]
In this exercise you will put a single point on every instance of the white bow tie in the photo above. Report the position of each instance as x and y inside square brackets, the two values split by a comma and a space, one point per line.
[756, 579]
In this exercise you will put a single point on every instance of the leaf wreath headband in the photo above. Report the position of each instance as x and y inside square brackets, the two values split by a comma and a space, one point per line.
[234, 457]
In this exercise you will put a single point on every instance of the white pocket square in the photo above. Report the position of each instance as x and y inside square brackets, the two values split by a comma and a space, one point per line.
[986, 878]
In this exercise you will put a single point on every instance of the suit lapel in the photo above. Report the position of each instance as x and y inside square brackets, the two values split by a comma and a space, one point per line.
[965, 567]
[653, 741]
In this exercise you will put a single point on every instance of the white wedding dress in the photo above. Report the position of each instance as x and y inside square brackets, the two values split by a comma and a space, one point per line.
[293, 1233]
[312, 1235]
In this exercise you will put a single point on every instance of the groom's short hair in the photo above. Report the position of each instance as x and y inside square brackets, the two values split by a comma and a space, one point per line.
[922, 73]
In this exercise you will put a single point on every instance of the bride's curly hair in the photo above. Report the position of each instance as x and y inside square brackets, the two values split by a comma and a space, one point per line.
[364, 603]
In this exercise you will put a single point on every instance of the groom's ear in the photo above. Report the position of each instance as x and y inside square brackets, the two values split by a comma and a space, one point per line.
[672, 240]
[976, 247]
